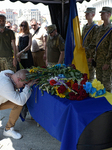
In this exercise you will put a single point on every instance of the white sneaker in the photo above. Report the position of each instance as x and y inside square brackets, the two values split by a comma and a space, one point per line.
[12, 133]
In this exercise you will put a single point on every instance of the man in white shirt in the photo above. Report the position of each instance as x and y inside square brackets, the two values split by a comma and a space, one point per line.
[11, 98]
[38, 48]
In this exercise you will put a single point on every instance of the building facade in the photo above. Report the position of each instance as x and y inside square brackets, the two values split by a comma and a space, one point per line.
[98, 5]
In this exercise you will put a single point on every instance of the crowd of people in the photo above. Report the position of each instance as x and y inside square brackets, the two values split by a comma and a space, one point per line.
[36, 44]
[44, 46]
[27, 47]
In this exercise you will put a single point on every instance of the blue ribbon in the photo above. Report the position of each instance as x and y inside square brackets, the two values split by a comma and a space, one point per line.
[88, 32]
[103, 37]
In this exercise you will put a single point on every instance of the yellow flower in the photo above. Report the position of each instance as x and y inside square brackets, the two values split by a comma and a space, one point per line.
[31, 71]
[98, 85]
[94, 83]
[93, 95]
[60, 95]
[102, 86]
[71, 81]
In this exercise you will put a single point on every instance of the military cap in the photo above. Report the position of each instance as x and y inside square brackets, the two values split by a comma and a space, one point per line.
[90, 9]
[106, 9]
[51, 28]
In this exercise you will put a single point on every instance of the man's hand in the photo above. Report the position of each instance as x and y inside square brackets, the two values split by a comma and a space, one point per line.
[105, 67]
[31, 83]
[14, 62]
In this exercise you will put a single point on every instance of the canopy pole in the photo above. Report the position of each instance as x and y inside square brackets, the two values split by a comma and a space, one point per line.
[63, 1]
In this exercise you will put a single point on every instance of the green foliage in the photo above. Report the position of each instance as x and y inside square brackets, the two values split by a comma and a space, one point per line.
[45, 74]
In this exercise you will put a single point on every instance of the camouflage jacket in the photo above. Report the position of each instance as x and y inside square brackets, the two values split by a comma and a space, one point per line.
[104, 50]
[54, 46]
[89, 38]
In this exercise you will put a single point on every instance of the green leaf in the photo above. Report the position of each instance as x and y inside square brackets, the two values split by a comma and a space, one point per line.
[72, 74]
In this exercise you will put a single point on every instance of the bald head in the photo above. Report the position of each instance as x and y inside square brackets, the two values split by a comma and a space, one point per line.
[19, 78]
[22, 73]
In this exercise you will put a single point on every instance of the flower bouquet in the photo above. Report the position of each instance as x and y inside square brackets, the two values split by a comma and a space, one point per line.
[65, 82]
[61, 80]
[95, 88]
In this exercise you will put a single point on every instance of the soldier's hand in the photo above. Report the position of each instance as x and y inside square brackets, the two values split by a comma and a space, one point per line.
[105, 67]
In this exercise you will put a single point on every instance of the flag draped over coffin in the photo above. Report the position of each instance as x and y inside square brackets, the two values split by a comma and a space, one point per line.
[74, 52]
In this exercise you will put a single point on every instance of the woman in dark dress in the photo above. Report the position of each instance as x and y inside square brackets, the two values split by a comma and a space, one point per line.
[24, 42]
[24, 55]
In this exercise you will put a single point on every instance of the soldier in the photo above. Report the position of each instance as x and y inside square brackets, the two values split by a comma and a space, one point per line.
[102, 43]
[88, 32]
[54, 47]
[7, 43]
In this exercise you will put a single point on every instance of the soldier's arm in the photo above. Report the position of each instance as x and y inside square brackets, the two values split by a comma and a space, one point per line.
[92, 45]
[109, 55]
[61, 49]
[14, 52]
[61, 58]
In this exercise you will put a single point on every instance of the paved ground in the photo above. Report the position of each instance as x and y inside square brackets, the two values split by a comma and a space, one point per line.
[34, 138]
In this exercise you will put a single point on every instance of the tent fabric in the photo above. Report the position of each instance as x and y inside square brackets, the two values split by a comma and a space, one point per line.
[47, 2]
[56, 17]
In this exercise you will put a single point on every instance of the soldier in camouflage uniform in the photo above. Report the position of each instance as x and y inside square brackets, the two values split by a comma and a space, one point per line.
[102, 42]
[88, 33]
[55, 47]
[7, 43]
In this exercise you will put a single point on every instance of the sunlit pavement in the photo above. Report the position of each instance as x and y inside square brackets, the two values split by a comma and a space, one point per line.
[34, 138]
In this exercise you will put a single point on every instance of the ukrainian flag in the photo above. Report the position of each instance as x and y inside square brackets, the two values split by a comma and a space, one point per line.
[74, 52]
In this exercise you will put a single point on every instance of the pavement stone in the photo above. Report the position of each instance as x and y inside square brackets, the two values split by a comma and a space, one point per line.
[34, 138]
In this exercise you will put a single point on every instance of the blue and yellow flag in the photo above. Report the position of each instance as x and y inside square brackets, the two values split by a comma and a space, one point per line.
[74, 52]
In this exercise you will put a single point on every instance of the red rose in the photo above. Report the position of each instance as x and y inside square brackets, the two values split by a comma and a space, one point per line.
[75, 87]
[83, 93]
[61, 89]
[73, 66]
[52, 82]
[79, 97]
[72, 96]
[68, 84]
[83, 81]
[81, 87]
[85, 76]
[43, 67]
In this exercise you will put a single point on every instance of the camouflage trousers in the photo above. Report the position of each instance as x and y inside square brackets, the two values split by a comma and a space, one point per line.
[6, 63]
[104, 76]
[91, 72]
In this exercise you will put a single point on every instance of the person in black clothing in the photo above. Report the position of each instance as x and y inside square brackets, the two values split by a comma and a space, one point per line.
[24, 55]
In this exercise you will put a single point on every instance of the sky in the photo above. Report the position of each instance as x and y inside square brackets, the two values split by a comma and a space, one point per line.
[18, 5]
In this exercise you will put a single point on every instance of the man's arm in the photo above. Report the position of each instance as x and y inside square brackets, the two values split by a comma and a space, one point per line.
[61, 58]
[45, 47]
[61, 47]
[14, 49]
[44, 41]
